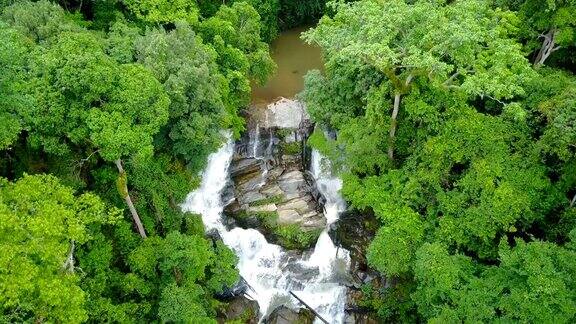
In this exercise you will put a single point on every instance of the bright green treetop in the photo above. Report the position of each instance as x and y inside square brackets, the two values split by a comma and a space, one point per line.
[83, 96]
[13, 57]
[164, 11]
[40, 223]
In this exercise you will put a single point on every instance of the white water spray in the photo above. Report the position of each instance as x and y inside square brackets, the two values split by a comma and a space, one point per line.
[256, 141]
[269, 270]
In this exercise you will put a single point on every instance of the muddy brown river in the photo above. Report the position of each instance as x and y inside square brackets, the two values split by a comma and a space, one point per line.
[294, 58]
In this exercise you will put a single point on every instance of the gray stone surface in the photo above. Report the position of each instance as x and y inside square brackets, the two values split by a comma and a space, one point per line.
[278, 177]
[263, 208]
[288, 216]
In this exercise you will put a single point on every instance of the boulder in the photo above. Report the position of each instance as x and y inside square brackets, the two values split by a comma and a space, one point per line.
[360, 318]
[292, 182]
[249, 197]
[358, 314]
[313, 220]
[354, 231]
[285, 315]
[288, 216]
[274, 173]
[245, 166]
[237, 290]
[287, 113]
[271, 189]
[299, 204]
[263, 208]
[248, 182]
[272, 192]
[239, 309]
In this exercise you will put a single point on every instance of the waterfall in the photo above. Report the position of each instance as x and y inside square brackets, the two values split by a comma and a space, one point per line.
[256, 141]
[269, 270]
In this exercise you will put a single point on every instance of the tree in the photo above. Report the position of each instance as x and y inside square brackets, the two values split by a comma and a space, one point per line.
[551, 103]
[198, 91]
[295, 13]
[546, 25]
[164, 11]
[535, 281]
[235, 32]
[532, 282]
[483, 157]
[40, 21]
[13, 57]
[127, 104]
[42, 222]
[181, 304]
[474, 53]
[185, 262]
[100, 101]
[554, 97]
[392, 250]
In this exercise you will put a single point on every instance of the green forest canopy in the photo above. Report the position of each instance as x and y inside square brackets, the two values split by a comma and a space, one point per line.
[457, 128]
[455, 123]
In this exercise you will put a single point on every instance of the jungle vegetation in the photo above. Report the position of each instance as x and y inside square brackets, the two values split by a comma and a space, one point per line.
[455, 123]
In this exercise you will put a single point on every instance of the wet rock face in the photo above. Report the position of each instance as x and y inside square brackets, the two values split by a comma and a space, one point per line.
[355, 313]
[270, 189]
[239, 309]
[285, 315]
[359, 318]
[354, 231]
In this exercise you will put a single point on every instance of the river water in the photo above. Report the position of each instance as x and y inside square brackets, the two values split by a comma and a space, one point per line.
[294, 58]
[315, 276]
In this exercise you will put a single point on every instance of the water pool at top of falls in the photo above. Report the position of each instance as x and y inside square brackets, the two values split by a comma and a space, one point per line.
[316, 276]
[294, 58]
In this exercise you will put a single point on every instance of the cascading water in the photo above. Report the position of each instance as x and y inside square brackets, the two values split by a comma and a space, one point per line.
[269, 270]
[255, 139]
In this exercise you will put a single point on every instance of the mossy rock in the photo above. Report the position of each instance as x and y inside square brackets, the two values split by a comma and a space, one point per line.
[271, 200]
[291, 237]
[283, 133]
[292, 148]
[265, 221]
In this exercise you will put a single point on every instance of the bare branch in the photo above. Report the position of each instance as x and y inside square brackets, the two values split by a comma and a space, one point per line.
[451, 78]
[409, 79]
[81, 162]
[547, 47]
[489, 96]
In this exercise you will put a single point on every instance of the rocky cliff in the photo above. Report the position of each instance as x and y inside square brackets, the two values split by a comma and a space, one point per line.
[270, 188]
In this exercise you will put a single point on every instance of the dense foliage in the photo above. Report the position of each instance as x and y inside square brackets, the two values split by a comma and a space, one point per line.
[455, 126]
[121, 102]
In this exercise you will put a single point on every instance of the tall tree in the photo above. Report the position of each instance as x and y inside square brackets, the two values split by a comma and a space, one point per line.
[84, 98]
[13, 59]
[164, 11]
[464, 45]
[41, 224]
[546, 25]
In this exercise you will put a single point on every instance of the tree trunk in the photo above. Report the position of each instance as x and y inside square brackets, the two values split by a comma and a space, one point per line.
[394, 116]
[547, 47]
[393, 126]
[69, 263]
[123, 190]
[573, 201]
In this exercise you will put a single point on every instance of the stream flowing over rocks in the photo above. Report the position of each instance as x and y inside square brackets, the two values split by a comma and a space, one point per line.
[273, 202]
